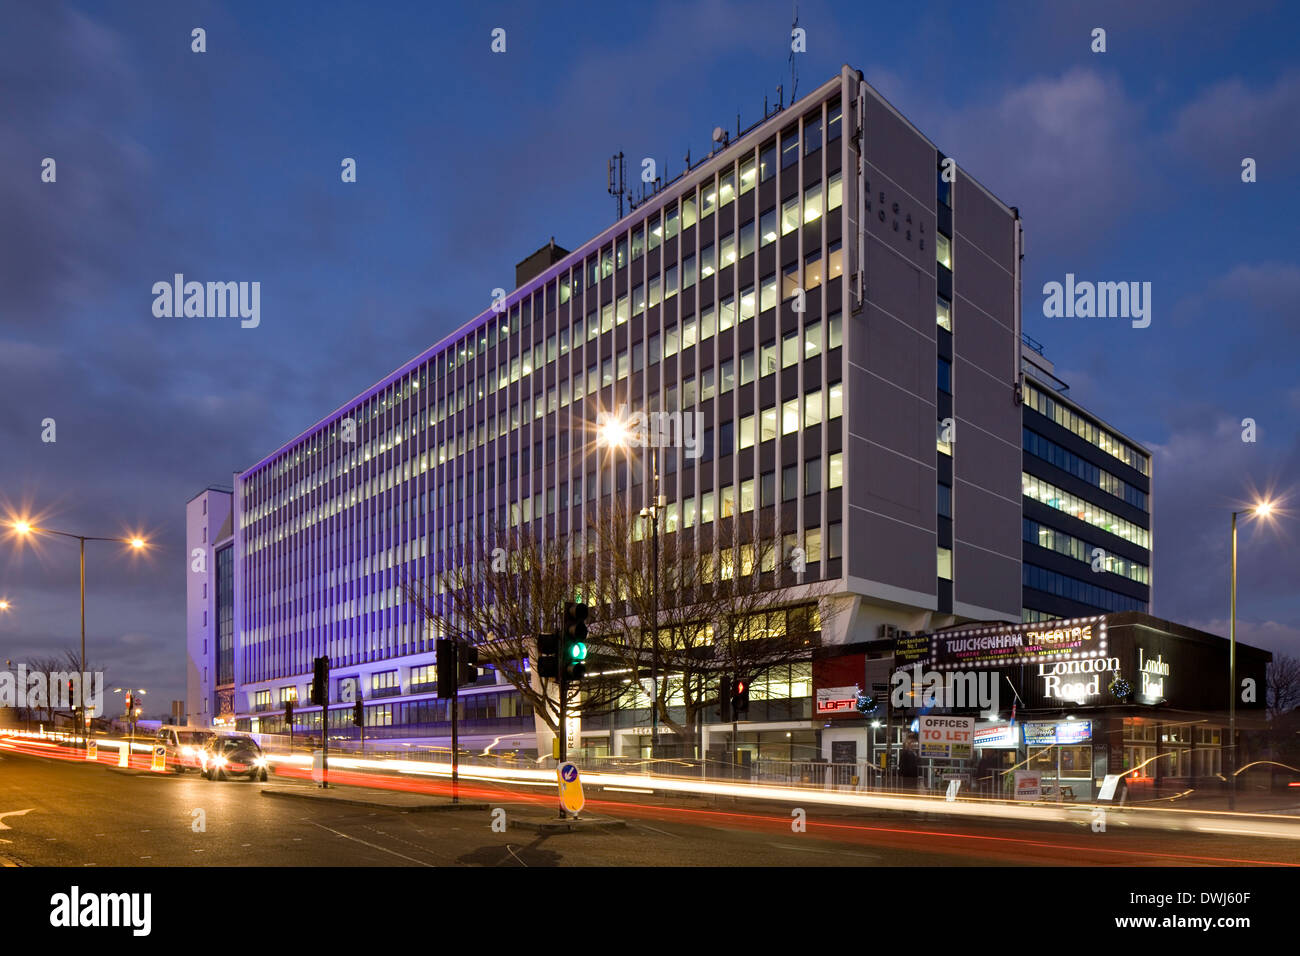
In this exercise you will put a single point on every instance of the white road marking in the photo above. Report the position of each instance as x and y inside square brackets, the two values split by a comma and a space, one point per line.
[13, 813]
[646, 826]
[374, 846]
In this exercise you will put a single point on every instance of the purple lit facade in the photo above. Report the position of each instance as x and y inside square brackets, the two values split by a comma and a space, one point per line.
[820, 420]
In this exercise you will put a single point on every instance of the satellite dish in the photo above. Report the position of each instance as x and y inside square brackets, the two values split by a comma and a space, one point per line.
[719, 134]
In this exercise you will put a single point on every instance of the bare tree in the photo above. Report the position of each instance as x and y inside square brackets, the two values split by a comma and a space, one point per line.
[499, 597]
[729, 603]
[45, 666]
[1283, 680]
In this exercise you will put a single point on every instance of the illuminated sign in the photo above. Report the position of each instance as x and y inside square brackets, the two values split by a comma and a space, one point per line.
[999, 735]
[837, 700]
[1044, 734]
[908, 650]
[997, 645]
[1075, 680]
[1153, 674]
[571, 798]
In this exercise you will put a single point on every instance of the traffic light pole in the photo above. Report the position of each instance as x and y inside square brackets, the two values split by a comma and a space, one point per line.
[455, 739]
[564, 730]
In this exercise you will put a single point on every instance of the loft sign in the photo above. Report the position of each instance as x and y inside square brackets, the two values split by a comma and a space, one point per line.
[1075, 680]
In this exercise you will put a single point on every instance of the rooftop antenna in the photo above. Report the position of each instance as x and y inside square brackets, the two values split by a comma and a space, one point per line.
[616, 170]
[794, 70]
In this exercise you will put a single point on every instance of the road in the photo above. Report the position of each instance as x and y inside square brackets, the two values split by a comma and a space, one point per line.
[56, 812]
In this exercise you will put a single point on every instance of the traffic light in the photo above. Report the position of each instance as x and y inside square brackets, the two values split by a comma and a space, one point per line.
[358, 712]
[467, 657]
[446, 649]
[128, 702]
[320, 685]
[724, 700]
[288, 712]
[548, 655]
[71, 701]
[740, 697]
[574, 641]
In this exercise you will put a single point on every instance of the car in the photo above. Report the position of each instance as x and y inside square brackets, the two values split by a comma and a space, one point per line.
[234, 755]
[184, 747]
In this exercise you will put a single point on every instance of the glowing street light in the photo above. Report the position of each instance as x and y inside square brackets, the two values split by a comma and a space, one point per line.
[1262, 509]
[25, 528]
[614, 433]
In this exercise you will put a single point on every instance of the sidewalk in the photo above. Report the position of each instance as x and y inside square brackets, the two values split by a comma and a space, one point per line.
[367, 797]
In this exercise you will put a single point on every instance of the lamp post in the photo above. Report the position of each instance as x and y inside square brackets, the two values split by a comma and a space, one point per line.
[1261, 510]
[614, 433]
[24, 528]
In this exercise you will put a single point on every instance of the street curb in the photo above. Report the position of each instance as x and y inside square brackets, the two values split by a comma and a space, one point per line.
[307, 794]
[598, 825]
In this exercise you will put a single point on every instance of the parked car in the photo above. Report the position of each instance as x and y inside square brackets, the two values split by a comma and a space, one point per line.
[184, 747]
[233, 755]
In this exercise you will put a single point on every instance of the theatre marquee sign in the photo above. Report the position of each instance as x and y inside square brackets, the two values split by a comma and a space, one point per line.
[1000, 645]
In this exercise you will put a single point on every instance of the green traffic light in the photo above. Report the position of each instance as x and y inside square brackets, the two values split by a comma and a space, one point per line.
[578, 651]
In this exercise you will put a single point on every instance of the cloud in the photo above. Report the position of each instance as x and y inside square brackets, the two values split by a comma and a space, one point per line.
[1231, 120]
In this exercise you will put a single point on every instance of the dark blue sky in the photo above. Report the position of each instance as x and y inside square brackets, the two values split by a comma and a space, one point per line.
[225, 166]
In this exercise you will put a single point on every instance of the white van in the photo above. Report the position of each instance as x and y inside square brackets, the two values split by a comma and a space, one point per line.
[184, 746]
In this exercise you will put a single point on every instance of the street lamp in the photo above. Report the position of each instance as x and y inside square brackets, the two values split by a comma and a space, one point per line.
[25, 528]
[1261, 509]
[614, 433]
[4, 605]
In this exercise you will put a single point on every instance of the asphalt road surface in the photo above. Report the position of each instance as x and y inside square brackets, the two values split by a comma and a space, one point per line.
[56, 812]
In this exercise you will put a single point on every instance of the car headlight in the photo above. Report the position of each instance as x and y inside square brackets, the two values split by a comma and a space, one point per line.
[187, 751]
[219, 761]
[260, 762]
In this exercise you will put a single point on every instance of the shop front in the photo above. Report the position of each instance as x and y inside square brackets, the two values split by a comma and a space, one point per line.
[1061, 703]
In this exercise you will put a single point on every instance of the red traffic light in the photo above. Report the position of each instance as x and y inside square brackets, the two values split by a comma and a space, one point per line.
[741, 686]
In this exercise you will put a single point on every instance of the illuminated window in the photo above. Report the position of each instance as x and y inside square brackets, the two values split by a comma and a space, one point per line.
[748, 175]
[746, 439]
[726, 187]
[746, 238]
[943, 444]
[945, 314]
[767, 293]
[656, 233]
[727, 251]
[812, 133]
[726, 313]
[688, 332]
[708, 198]
[767, 162]
[767, 359]
[747, 303]
[708, 320]
[834, 192]
[812, 203]
[767, 227]
[727, 376]
[812, 339]
[638, 242]
[789, 147]
[790, 215]
[812, 271]
[767, 424]
[812, 408]
[690, 214]
[746, 367]
[834, 260]
[835, 399]
[747, 495]
[707, 264]
[790, 417]
[945, 564]
[790, 350]
[944, 247]
[835, 470]
[671, 222]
